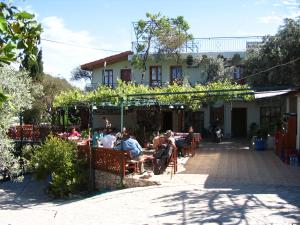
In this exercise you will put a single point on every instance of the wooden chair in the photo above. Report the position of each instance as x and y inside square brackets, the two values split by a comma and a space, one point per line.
[190, 149]
[173, 161]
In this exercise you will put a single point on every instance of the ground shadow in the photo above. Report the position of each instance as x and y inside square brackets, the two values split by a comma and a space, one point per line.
[236, 206]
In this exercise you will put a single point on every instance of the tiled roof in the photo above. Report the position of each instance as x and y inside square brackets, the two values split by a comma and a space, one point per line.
[109, 60]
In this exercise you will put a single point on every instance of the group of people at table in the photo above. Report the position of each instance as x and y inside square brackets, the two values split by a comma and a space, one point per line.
[162, 144]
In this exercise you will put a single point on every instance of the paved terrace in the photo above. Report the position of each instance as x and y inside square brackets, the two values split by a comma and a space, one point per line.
[224, 183]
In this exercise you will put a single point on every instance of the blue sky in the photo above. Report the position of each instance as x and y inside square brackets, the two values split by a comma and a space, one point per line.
[107, 24]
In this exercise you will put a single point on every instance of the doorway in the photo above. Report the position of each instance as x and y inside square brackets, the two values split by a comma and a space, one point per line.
[167, 121]
[239, 122]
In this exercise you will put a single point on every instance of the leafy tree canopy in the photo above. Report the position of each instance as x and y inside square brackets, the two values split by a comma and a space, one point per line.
[41, 108]
[282, 48]
[19, 37]
[78, 74]
[160, 35]
[20, 90]
[19, 34]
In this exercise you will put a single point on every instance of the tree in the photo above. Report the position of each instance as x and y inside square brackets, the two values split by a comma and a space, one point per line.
[78, 74]
[19, 39]
[20, 91]
[36, 68]
[214, 69]
[42, 105]
[19, 36]
[159, 35]
[282, 48]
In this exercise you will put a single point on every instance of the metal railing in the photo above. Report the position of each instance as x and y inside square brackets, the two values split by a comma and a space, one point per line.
[94, 86]
[215, 44]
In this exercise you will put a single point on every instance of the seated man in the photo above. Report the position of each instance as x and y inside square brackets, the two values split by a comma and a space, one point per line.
[162, 157]
[186, 142]
[134, 147]
[108, 140]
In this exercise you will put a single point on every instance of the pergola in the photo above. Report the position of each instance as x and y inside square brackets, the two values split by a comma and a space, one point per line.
[149, 99]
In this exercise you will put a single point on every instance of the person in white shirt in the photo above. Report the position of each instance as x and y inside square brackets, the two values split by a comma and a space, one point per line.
[108, 140]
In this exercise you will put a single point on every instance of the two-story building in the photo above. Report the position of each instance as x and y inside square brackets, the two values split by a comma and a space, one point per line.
[235, 117]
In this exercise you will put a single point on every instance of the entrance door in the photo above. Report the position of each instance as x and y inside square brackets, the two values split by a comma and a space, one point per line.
[167, 121]
[126, 75]
[239, 122]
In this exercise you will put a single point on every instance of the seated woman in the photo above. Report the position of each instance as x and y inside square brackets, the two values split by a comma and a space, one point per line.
[97, 136]
[74, 133]
[185, 142]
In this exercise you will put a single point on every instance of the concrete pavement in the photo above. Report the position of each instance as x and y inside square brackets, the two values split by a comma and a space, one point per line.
[205, 193]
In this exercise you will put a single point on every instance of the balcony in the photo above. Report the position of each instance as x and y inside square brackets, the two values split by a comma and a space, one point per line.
[216, 44]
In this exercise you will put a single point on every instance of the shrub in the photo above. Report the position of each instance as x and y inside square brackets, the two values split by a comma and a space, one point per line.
[58, 159]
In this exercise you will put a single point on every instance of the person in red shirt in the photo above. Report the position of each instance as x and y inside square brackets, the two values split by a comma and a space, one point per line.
[74, 133]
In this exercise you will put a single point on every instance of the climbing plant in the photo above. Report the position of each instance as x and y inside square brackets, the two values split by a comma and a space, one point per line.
[191, 97]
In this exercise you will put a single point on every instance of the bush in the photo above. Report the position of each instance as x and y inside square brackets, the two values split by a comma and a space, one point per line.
[58, 159]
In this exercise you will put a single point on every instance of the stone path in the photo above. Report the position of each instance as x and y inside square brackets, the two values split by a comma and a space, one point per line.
[218, 186]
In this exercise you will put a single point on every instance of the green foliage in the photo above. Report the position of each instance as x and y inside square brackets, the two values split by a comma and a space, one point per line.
[86, 133]
[41, 108]
[20, 90]
[279, 49]
[106, 95]
[160, 34]
[78, 74]
[20, 34]
[59, 159]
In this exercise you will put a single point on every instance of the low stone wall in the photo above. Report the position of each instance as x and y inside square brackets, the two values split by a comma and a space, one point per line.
[110, 181]
[106, 180]
[131, 181]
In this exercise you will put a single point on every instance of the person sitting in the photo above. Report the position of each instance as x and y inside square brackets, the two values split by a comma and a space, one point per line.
[169, 136]
[185, 142]
[108, 140]
[162, 156]
[96, 139]
[74, 133]
[107, 123]
[128, 143]
[156, 140]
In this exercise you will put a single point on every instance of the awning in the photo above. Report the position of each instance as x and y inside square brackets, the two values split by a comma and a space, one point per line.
[268, 94]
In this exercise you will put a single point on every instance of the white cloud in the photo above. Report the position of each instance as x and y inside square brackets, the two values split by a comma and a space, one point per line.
[259, 2]
[290, 2]
[270, 19]
[282, 9]
[60, 59]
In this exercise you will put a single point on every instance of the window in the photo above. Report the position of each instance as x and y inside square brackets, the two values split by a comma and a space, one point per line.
[269, 115]
[108, 78]
[126, 75]
[175, 73]
[155, 76]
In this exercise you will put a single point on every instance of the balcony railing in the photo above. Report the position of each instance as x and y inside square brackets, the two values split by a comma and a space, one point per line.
[94, 86]
[215, 44]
